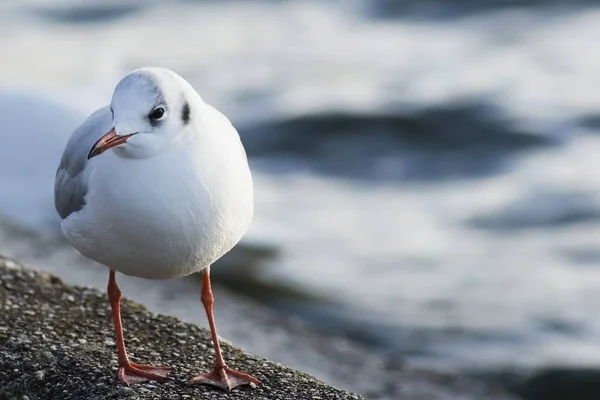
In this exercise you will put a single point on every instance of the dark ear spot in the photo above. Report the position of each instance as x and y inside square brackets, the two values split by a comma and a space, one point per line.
[185, 113]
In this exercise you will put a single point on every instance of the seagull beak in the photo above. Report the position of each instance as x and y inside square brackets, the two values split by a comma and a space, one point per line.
[107, 141]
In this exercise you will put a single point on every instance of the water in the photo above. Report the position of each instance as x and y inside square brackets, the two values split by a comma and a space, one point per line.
[436, 176]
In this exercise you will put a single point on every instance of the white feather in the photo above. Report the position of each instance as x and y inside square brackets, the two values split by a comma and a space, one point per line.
[171, 200]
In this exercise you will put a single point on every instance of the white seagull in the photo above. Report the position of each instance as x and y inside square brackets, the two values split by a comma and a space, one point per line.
[156, 185]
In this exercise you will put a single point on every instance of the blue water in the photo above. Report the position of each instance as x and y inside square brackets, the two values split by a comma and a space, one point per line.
[431, 169]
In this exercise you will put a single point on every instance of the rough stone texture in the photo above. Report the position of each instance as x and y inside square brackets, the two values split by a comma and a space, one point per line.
[335, 360]
[57, 342]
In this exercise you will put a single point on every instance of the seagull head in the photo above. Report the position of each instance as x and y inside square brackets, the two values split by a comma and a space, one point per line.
[150, 108]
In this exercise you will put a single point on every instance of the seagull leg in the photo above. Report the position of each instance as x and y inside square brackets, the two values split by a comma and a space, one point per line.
[221, 375]
[129, 372]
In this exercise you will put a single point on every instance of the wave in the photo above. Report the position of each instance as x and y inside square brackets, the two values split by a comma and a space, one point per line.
[82, 13]
[541, 210]
[453, 141]
[445, 9]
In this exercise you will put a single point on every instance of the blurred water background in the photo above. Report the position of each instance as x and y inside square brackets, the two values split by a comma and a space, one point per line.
[427, 171]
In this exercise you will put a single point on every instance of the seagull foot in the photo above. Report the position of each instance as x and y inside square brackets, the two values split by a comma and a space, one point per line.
[225, 378]
[132, 373]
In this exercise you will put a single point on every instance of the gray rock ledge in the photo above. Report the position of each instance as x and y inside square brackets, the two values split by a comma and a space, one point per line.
[57, 343]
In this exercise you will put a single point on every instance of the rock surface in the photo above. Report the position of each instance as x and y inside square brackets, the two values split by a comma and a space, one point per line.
[335, 360]
[57, 342]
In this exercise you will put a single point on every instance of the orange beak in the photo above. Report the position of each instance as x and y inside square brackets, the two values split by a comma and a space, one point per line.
[107, 141]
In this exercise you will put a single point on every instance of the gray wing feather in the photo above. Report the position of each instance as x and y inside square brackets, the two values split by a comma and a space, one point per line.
[70, 186]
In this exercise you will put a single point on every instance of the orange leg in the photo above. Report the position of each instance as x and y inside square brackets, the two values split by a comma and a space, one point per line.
[221, 375]
[129, 372]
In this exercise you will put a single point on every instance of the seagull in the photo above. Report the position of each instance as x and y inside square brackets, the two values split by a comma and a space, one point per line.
[156, 185]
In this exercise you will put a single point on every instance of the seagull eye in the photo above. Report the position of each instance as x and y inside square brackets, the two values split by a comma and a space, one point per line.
[157, 114]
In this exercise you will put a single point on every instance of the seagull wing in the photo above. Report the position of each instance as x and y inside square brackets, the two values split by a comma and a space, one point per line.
[70, 186]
